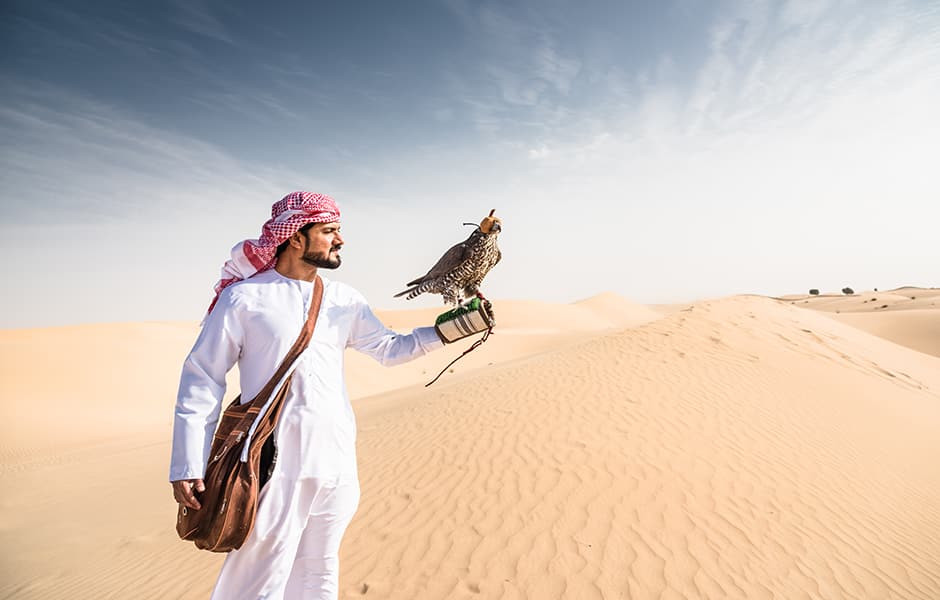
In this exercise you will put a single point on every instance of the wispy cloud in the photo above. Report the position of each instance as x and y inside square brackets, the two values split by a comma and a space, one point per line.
[521, 57]
[765, 70]
[112, 208]
[198, 17]
[68, 158]
[786, 65]
[765, 66]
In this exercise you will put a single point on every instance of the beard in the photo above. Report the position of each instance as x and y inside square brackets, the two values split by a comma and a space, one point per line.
[326, 260]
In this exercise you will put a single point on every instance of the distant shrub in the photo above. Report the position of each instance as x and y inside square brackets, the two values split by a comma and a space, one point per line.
[814, 292]
[848, 291]
[875, 290]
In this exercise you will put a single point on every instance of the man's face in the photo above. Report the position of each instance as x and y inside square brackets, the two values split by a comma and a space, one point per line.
[322, 244]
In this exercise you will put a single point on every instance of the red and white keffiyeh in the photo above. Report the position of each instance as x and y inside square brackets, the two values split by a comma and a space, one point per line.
[288, 215]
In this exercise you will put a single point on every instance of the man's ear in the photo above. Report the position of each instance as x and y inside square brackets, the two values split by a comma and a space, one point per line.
[297, 240]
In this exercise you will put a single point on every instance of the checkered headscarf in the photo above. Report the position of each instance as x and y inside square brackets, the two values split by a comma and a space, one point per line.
[288, 215]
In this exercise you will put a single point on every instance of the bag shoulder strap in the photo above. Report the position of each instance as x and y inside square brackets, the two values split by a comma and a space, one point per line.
[303, 340]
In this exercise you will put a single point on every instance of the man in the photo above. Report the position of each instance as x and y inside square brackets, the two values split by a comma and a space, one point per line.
[260, 307]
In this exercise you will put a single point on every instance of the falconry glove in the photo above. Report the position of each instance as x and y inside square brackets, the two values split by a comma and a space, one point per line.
[470, 317]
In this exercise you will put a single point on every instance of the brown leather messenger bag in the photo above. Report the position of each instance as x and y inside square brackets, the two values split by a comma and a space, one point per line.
[232, 485]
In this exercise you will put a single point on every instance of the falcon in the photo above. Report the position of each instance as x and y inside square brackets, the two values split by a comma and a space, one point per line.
[458, 274]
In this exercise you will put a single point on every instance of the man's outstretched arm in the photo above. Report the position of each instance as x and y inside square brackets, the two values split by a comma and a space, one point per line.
[370, 336]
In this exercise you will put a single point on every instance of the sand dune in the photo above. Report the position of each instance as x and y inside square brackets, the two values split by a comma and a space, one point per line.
[917, 329]
[523, 329]
[741, 448]
[68, 386]
[906, 316]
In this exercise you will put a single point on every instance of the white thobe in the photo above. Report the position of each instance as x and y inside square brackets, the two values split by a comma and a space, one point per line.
[293, 550]
[255, 323]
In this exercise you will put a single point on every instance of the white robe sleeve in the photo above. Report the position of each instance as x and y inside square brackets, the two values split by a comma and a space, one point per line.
[202, 387]
[370, 336]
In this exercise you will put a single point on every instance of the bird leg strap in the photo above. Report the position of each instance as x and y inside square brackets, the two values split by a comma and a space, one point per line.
[467, 319]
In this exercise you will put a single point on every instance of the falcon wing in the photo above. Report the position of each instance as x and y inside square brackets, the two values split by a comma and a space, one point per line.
[453, 257]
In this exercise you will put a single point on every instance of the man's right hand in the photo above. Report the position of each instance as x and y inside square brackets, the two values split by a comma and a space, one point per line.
[183, 492]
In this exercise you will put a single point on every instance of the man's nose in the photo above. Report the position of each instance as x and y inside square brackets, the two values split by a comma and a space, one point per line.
[338, 240]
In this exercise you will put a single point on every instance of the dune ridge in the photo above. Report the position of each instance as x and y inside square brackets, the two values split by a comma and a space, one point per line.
[907, 316]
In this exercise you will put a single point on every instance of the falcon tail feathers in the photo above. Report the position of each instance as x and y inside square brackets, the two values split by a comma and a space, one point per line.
[400, 294]
[412, 292]
[415, 290]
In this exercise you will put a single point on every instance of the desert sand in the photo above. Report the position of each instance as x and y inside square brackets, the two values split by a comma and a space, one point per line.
[744, 447]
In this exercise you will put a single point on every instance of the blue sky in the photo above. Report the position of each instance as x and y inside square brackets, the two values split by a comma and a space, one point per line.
[665, 151]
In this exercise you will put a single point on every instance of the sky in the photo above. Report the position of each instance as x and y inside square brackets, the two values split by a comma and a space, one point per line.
[664, 151]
